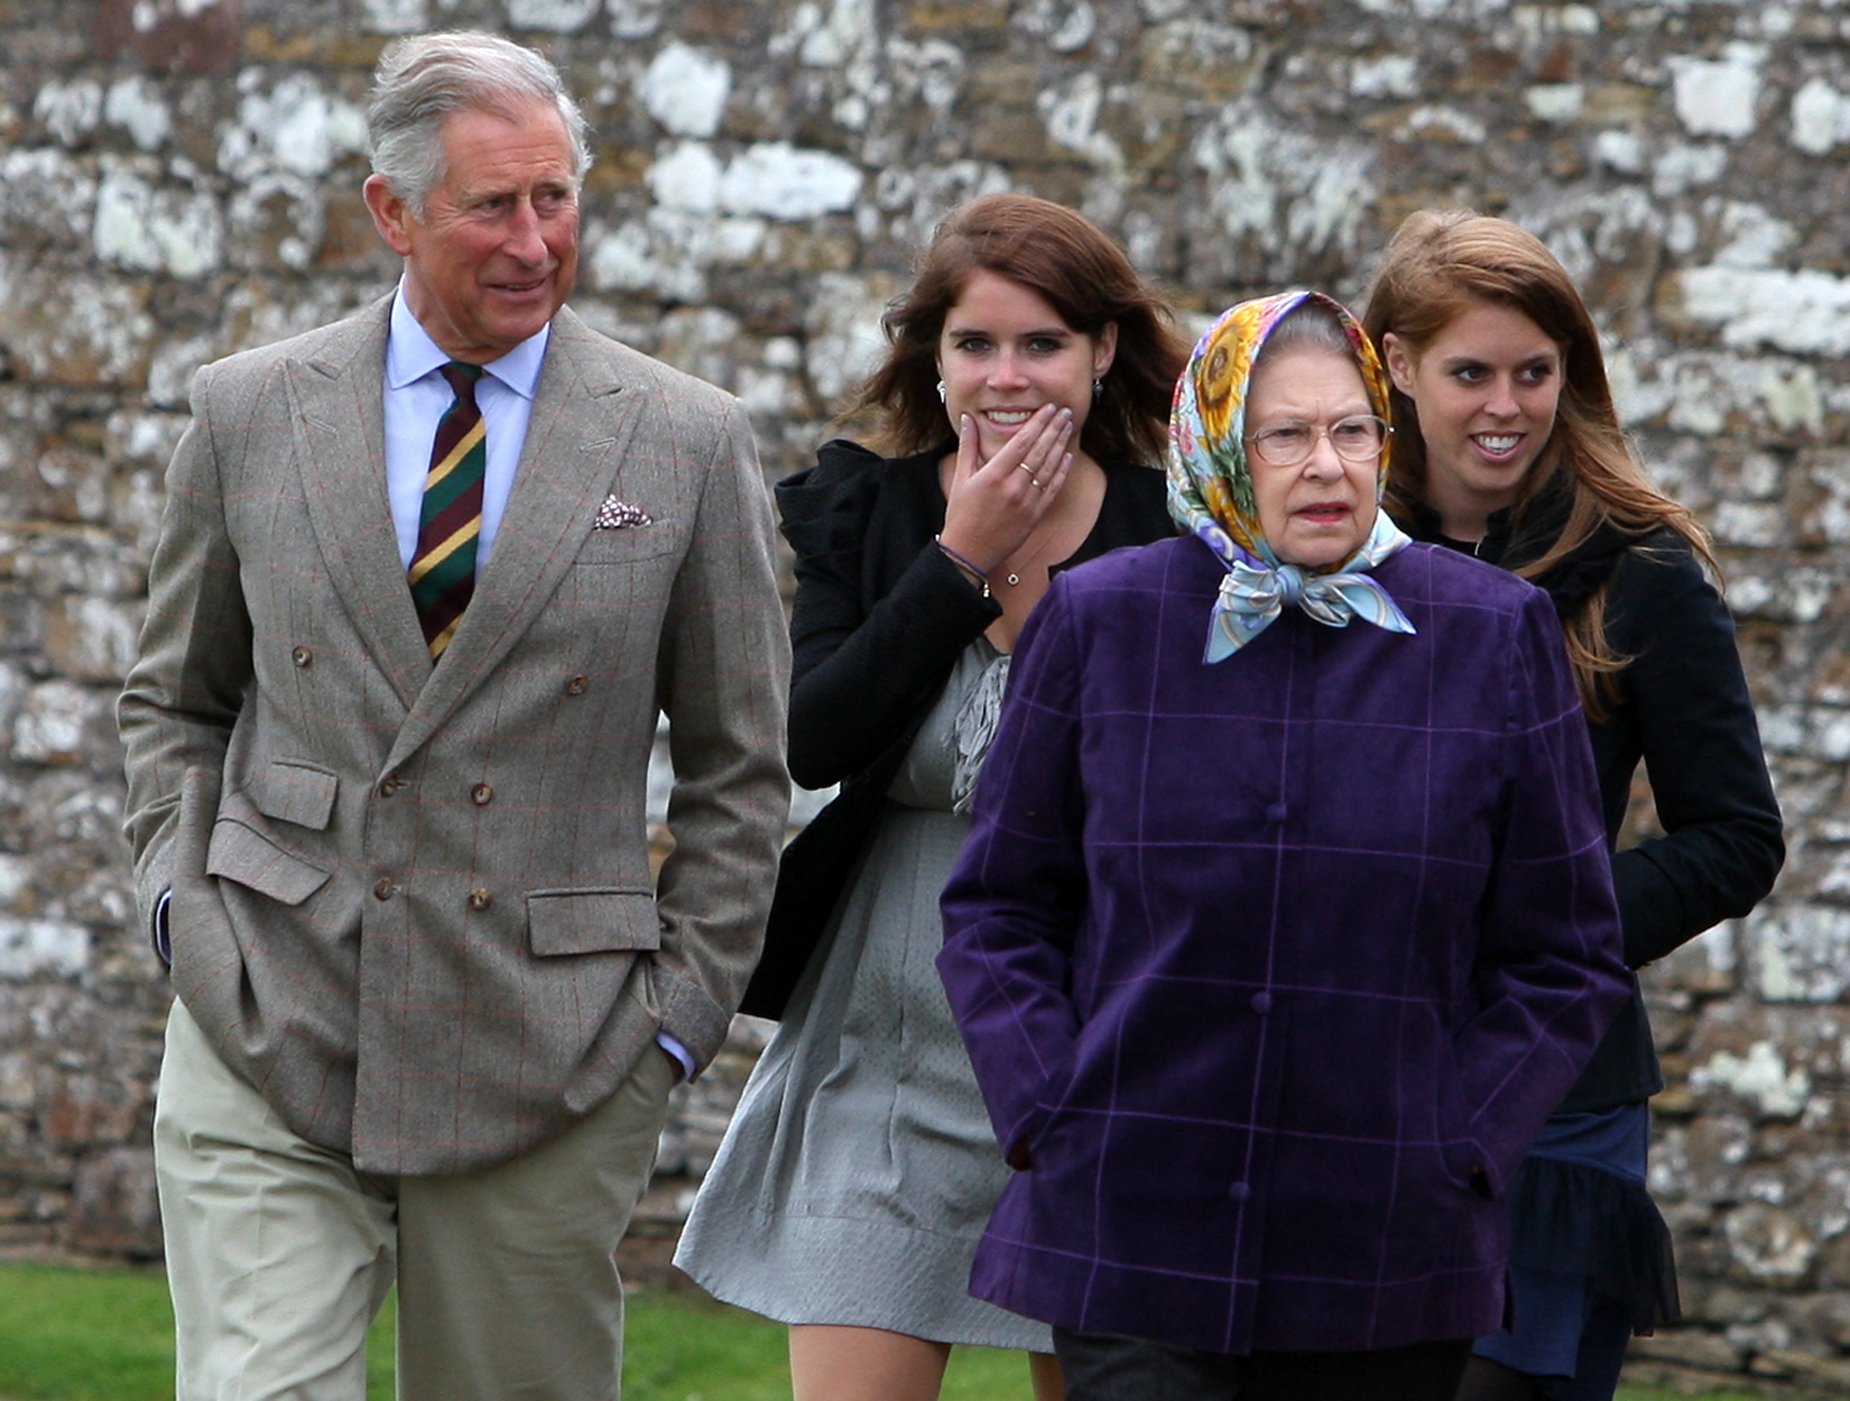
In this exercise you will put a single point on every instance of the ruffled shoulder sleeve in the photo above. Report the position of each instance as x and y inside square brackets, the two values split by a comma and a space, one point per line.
[824, 509]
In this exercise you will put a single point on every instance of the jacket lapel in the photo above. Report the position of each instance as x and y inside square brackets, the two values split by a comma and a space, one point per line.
[581, 422]
[337, 401]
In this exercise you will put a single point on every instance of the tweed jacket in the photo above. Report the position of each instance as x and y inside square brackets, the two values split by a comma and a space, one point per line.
[1271, 969]
[412, 904]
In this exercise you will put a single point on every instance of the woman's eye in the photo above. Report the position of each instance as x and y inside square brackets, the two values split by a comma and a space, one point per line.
[1286, 436]
[1355, 433]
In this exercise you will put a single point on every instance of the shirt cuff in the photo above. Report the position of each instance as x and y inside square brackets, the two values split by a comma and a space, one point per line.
[158, 932]
[682, 1056]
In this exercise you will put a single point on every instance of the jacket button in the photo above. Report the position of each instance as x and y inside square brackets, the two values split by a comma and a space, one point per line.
[1262, 1002]
[577, 686]
[301, 656]
[1240, 1191]
[480, 899]
[388, 785]
[482, 794]
[384, 889]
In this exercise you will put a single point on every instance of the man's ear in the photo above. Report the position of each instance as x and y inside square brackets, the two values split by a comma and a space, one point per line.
[391, 215]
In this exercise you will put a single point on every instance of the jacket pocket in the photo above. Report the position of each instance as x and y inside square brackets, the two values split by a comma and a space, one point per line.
[238, 853]
[592, 921]
[293, 791]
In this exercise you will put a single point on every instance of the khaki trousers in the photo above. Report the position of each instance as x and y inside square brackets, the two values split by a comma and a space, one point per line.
[279, 1253]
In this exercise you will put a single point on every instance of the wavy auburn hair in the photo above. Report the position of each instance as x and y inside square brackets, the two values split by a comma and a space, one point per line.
[1439, 264]
[1067, 260]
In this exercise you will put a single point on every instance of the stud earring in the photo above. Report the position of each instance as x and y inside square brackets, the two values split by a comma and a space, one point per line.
[940, 391]
[1098, 387]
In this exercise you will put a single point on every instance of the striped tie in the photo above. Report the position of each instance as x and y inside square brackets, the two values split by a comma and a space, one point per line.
[443, 565]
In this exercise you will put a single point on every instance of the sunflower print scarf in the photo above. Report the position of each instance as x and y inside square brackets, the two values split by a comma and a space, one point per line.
[1211, 488]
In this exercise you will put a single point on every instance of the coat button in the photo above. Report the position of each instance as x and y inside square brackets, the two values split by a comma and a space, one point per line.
[388, 785]
[1275, 813]
[301, 656]
[384, 889]
[1262, 1002]
[577, 686]
[480, 899]
[1239, 1192]
[482, 794]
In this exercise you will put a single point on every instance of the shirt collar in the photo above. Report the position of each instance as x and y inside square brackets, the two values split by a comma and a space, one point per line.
[410, 353]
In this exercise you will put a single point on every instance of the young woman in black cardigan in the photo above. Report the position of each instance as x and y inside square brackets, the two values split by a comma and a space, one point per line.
[1023, 405]
[1507, 445]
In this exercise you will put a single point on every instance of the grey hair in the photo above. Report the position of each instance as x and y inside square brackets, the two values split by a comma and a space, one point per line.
[422, 79]
[1311, 322]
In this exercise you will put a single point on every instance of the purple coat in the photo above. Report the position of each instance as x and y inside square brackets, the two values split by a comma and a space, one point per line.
[1274, 967]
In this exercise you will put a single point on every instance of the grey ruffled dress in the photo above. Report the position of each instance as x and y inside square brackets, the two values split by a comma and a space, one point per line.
[860, 1167]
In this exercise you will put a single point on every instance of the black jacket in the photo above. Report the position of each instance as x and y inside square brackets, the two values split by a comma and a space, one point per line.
[880, 618]
[1683, 709]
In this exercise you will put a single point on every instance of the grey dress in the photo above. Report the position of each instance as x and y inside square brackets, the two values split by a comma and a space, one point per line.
[860, 1167]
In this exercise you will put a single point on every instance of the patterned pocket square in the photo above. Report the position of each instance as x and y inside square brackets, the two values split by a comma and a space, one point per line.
[618, 514]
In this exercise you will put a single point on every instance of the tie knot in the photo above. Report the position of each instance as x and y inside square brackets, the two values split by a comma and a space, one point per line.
[462, 379]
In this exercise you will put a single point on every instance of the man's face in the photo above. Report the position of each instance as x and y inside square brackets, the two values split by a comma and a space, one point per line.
[496, 252]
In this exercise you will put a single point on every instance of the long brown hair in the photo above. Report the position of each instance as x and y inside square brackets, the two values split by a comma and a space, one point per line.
[1439, 264]
[1082, 274]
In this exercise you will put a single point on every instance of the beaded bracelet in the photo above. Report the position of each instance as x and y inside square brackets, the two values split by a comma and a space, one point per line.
[980, 575]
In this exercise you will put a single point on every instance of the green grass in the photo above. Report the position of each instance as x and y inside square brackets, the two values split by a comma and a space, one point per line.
[69, 1334]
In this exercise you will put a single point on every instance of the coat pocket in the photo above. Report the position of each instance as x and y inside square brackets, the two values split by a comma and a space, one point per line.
[293, 791]
[592, 921]
[239, 853]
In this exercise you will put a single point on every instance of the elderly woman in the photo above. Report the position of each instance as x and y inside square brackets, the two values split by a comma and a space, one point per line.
[1272, 957]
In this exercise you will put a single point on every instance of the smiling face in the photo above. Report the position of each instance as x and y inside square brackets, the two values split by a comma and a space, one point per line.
[1486, 388]
[495, 253]
[1004, 351]
[1318, 512]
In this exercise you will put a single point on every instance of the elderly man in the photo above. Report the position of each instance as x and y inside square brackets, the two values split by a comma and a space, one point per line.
[425, 581]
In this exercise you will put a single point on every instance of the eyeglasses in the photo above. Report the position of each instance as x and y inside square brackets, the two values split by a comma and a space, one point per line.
[1357, 438]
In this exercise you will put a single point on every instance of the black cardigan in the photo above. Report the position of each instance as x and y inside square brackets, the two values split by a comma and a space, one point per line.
[881, 615]
[880, 618]
[1683, 709]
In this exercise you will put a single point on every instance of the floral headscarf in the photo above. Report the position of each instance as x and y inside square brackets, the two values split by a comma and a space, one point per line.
[1211, 488]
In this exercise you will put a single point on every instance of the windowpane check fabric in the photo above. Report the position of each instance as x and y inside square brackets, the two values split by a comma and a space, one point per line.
[442, 571]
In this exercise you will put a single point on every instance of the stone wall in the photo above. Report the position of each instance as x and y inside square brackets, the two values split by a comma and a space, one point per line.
[179, 179]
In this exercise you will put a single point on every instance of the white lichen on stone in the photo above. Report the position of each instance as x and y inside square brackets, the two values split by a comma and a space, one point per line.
[1792, 397]
[781, 181]
[1717, 98]
[686, 177]
[1760, 1077]
[1683, 166]
[1385, 75]
[52, 723]
[1800, 952]
[635, 19]
[844, 340]
[1062, 25]
[1445, 124]
[1294, 191]
[1070, 111]
[174, 231]
[1554, 102]
[1806, 312]
[1820, 117]
[397, 16]
[37, 948]
[70, 111]
[685, 90]
[47, 192]
[554, 16]
[295, 127]
[135, 104]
